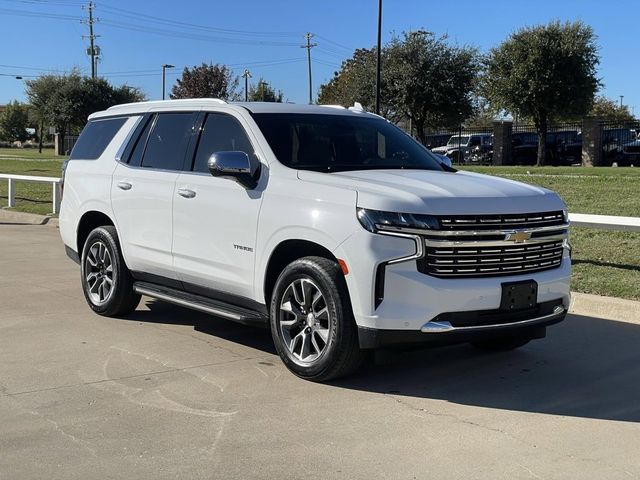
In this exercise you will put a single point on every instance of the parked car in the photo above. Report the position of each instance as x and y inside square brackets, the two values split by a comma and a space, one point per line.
[459, 147]
[436, 140]
[331, 227]
[525, 147]
[613, 140]
[630, 154]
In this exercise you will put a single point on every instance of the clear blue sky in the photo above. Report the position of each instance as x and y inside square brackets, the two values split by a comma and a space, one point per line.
[46, 35]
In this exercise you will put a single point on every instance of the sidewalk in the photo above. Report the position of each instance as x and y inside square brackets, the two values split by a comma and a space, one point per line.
[21, 218]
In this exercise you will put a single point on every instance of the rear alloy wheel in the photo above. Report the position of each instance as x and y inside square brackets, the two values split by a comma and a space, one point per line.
[312, 324]
[106, 280]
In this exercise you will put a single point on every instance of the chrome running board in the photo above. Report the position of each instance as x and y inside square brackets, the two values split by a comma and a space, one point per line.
[202, 304]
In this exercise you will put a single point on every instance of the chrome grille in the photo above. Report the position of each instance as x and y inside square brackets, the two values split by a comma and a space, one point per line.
[472, 246]
[498, 222]
[491, 260]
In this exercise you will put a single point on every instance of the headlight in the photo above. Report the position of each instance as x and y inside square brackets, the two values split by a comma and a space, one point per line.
[375, 220]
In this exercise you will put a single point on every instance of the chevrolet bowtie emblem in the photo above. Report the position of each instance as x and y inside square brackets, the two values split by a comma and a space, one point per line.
[518, 237]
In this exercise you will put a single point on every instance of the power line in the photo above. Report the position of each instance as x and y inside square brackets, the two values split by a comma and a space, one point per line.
[309, 46]
[227, 31]
[191, 36]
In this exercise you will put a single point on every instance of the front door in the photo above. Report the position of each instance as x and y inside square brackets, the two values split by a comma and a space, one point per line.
[215, 219]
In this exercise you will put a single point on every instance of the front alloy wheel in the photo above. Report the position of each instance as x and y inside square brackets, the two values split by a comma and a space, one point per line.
[304, 321]
[312, 323]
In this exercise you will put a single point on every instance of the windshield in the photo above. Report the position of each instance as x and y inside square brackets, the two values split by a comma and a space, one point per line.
[457, 140]
[337, 143]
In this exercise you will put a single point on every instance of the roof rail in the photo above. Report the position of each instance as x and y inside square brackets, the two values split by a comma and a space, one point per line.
[164, 102]
[332, 106]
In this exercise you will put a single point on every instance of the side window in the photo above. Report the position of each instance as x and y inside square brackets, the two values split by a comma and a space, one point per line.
[95, 138]
[136, 154]
[168, 141]
[220, 133]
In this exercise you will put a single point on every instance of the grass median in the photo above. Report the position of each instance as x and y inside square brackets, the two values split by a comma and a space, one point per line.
[605, 263]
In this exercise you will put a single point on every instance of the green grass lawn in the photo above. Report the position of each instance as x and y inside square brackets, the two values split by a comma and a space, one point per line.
[30, 197]
[605, 263]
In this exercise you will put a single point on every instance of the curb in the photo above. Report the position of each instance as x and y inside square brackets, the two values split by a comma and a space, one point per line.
[23, 218]
[609, 308]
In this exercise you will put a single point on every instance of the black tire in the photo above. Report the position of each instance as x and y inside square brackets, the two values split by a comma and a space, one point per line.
[341, 354]
[121, 299]
[501, 344]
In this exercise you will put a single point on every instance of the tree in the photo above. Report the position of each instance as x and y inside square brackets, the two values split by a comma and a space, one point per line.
[424, 79]
[65, 101]
[14, 122]
[429, 81]
[610, 110]
[545, 73]
[206, 81]
[263, 92]
[354, 82]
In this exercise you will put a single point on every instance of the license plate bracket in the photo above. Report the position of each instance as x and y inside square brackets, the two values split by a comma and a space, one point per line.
[519, 295]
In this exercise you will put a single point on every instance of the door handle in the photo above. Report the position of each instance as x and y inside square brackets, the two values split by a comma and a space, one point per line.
[124, 185]
[186, 193]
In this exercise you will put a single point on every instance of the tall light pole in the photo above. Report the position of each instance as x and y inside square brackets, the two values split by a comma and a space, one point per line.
[378, 57]
[621, 97]
[246, 75]
[164, 75]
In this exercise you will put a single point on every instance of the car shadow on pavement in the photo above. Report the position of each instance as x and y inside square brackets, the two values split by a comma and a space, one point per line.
[167, 313]
[586, 367]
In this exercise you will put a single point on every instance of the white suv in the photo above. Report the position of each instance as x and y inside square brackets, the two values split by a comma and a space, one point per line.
[328, 225]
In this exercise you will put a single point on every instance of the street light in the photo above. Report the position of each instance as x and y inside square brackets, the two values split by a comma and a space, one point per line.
[378, 57]
[164, 75]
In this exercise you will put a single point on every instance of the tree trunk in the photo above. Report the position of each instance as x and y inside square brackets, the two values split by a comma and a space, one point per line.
[542, 143]
[418, 124]
[41, 136]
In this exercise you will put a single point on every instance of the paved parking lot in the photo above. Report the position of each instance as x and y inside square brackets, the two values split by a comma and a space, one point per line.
[170, 393]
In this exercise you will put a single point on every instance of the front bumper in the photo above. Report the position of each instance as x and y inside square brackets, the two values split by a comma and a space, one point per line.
[412, 300]
[460, 327]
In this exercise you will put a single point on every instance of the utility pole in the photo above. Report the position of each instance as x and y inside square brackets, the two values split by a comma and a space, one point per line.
[309, 46]
[93, 50]
[246, 75]
[378, 57]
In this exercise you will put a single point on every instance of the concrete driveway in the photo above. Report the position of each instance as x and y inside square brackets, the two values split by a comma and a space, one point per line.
[170, 393]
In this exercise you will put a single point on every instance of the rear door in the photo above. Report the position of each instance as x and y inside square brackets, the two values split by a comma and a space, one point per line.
[142, 191]
[215, 219]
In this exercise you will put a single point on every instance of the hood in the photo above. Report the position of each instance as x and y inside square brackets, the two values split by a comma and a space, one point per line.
[442, 149]
[440, 193]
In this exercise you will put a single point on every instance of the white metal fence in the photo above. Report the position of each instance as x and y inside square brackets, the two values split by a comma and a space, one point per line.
[54, 181]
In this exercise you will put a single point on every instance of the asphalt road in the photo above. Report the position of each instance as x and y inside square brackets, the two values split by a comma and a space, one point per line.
[169, 393]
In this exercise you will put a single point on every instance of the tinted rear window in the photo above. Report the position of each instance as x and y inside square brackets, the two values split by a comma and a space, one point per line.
[95, 137]
[168, 141]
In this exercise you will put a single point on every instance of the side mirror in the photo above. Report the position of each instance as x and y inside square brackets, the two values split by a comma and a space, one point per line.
[235, 165]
